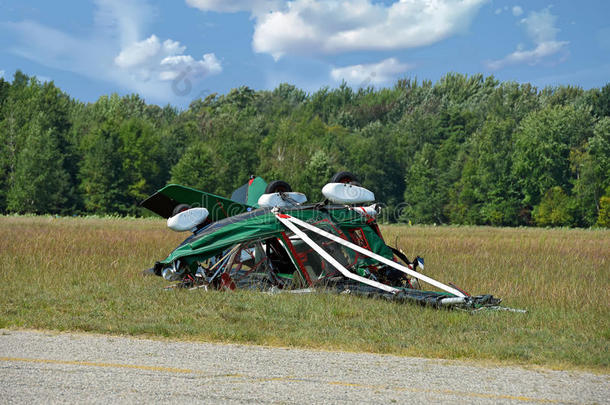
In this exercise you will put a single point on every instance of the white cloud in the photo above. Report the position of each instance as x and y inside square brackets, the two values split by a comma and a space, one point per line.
[517, 11]
[174, 66]
[152, 59]
[232, 6]
[370, 74]
[140, 53]
[532, 57]
[540, 28]
[500, 10]
[115, 51]
[330, 27]
[2, 74]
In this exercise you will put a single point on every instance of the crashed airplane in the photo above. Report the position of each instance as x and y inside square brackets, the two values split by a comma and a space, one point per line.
[268, 238]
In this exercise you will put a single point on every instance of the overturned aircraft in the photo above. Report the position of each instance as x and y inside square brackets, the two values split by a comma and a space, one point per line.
[267, 237]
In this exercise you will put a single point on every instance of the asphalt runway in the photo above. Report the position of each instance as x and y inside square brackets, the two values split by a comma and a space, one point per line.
[46, 367]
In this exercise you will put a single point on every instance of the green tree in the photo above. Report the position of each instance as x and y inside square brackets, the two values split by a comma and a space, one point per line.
[372, 154]
[560, 95]
[486, 192]
[140, 155]
[514, 101]
[317, 173]
[543, 144]
[101, 172]
[603, 219]
[29, 108]
[466, 149]
[40, 182]
[285, 153]
[591, 169]
[197, 168]
[423, 198]
[601, 106]
[555, 209]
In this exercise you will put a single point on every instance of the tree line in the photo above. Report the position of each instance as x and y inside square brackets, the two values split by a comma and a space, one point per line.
[463, 150]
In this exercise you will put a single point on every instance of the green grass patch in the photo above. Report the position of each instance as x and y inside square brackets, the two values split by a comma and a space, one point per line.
[75, 274]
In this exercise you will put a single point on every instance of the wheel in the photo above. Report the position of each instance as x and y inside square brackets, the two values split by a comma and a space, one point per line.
[345, 177]
[179, 208]
[278, 186]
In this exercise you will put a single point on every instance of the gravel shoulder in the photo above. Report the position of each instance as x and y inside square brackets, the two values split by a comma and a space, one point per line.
[69, 368]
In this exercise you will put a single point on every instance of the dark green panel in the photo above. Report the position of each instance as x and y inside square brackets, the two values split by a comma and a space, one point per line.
[219, 207]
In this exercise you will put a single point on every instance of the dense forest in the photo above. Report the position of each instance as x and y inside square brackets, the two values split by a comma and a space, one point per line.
[463, 150]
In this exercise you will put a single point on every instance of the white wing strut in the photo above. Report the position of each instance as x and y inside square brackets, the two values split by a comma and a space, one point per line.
[287, 218]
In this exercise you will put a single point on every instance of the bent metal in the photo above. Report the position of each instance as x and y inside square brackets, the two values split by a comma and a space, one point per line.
[268, 238]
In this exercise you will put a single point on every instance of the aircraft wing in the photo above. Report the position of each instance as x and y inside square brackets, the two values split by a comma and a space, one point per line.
[165, 200]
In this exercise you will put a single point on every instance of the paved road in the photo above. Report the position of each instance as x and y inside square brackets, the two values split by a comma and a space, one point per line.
[37, 367]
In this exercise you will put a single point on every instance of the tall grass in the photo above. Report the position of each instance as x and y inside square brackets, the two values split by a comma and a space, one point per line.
[85, 275]
[537, 268]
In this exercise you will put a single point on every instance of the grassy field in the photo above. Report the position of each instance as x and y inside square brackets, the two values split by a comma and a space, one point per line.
[85, 275]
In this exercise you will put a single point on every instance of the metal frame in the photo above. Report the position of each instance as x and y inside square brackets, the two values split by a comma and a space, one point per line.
[286, 220]
[291, 223]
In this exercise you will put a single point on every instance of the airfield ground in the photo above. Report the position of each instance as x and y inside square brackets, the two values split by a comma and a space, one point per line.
[44, 367]
[84, 274]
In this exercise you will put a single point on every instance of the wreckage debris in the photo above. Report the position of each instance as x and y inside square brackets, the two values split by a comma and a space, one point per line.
[268, 238]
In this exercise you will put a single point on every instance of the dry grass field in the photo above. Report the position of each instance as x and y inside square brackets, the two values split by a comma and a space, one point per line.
[84, 274]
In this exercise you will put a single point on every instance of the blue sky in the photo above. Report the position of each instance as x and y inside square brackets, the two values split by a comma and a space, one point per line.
[174, 52]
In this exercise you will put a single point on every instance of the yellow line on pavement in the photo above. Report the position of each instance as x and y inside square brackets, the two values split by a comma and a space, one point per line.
[95, 364]
[450, 392]
[117, 365]
[281, 379]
